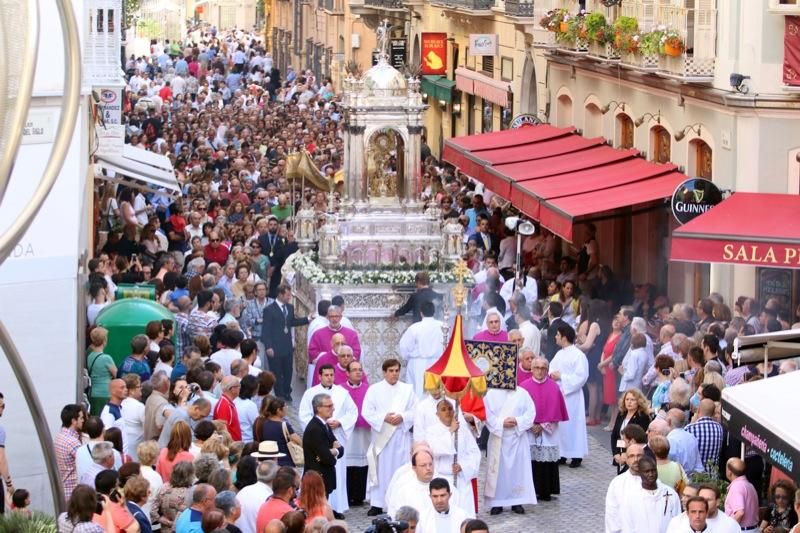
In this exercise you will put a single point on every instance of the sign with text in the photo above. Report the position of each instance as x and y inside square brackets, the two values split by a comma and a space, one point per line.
[40, 127]
[775, 283]
[397, 53]
[694, 197]
[524, 120]
[434, 53]
[110, 104]
[482, 44]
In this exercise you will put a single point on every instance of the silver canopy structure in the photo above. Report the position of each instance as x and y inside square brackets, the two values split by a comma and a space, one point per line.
[767, 347]
[140, 169]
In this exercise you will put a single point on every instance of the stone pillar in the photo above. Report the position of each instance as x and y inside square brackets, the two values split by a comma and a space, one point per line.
[413, 168]
[355, 164]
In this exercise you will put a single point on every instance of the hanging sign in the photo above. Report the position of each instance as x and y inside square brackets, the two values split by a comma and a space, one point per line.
[694, 197]
[397, 53]
[482, 44]
[434, 53]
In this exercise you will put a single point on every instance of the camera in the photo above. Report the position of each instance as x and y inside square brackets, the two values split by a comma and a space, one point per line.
[665, 371]
[385, 524]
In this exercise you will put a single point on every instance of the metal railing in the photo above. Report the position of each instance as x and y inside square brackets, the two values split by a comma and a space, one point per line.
[519, 8]
[475, 5]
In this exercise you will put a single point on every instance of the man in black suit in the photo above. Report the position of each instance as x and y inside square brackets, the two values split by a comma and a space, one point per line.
[272, 245]
[423, 294]
[276, 334]
[320, 448]
[554, 311]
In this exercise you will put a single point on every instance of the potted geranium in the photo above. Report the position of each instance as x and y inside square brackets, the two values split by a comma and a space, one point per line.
[650, 42]
[672, 44]
[553, 19]
[625, 28]
[595, 25]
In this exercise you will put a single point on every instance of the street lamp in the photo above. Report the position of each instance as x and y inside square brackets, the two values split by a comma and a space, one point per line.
[679, 135]
[521, 227]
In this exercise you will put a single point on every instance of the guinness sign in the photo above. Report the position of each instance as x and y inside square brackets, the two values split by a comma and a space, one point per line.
[694, 197]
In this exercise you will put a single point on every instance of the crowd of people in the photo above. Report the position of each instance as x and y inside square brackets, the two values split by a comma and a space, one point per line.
[191, 432]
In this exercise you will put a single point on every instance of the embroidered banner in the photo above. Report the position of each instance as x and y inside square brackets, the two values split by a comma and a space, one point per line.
[791, 52]
[498, 360]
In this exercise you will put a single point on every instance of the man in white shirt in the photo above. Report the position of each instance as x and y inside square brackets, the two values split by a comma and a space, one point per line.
[532, 337]
[230, 339]
[652, 506]
[140, 208]
[253, 496]
[341, 422]
[389, 410]
[621, 487]
[132, 415]
[93, 427]
[421, 346]
[717, 521]
[444, 516]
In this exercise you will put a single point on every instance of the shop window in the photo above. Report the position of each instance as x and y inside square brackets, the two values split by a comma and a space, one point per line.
[487, 66]
[506, 115]
[661, 143]
[624, 131]
[487, 115]
[564, 111]
[592, 122]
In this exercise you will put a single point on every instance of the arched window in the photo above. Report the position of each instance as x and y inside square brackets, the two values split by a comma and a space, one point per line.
[564, 111]
[624, 131]
[700, 159]
[661, 143]
[592, 121]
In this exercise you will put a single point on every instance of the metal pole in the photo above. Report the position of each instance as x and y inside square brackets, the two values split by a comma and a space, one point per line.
[518, 273]
[455, 444]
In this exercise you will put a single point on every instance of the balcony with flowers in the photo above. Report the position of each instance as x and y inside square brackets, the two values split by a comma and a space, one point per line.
[671, 38]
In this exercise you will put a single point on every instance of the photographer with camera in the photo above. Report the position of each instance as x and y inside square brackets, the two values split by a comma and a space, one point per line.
[81, 508]
[191, 414]
[110, 499]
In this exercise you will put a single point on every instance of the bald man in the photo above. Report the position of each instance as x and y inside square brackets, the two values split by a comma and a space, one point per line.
[111, 415]
[741, 503]
[622, 488]
[708, 433]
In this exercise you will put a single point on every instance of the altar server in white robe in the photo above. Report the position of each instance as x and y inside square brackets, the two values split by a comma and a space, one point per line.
[341, 422]
[425, 416]
[409, 485]
[445, 516]
[441, 436]
[389, 410]
[652, 506]
[570, 369]
[421, 346]
[509, 480]
[622, 488]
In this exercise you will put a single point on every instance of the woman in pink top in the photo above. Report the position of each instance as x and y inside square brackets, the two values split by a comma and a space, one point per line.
[177, 450]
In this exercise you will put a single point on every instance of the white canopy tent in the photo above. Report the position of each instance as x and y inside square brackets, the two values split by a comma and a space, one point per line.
[140, 169]
[766, 347]
[763, 415]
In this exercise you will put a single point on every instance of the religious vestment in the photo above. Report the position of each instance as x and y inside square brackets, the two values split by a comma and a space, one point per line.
[532, 337]
[574, 369]
[551, 409]
[356, 451]
[420, 347]
[522, 374]
[509, 480]
[649, 510]
[390, 446]
[339, 373]
[719, 523]
[450, 521]
[321, 341]
[619, 490]
[488, 336]
[346, 413]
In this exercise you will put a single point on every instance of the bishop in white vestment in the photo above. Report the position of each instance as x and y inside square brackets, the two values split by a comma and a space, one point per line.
[420, 346]
[389, 410]
[509, 480]
[570, 369]
[342, 422]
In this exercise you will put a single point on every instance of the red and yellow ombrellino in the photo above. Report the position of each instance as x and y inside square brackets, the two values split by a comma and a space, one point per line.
[454, 372]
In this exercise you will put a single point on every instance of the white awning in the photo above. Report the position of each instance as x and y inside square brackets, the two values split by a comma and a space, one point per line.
[140, 169]
[769, 346]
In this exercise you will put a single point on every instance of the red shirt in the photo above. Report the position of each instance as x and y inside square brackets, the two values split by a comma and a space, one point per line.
[225, 410]
[165, 93]
[218, 255]
[273, 508]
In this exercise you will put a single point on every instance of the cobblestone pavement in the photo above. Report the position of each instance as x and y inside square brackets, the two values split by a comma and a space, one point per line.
[580, 507]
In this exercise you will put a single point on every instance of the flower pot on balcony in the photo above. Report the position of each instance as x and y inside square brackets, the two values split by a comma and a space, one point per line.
[672, 50]
[563, 27]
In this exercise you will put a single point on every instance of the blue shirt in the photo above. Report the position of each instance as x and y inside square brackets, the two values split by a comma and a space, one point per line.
[133, 366]
[190, 521]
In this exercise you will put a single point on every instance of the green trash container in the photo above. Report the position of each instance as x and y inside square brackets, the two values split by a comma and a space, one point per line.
[127, 318]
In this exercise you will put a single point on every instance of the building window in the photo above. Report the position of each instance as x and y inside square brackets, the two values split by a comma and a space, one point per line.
[700, 159]
[487, 66]
[487, 116]
[661, 142]
[592, 122]
[564, 111]
[624, 131]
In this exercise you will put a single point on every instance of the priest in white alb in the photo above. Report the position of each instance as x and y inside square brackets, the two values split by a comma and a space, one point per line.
[445, 516]
[652, 506]
[509, 480]
[389, 410]
[622, 488]
[570, 369]
[457, 465]
[408, 486]
[421, 346]
[341, 422]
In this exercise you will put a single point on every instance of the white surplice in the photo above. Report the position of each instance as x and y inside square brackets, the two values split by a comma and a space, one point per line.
[619, 491]
[421, 345]
[346, 413]
[406, 489]
[390, 446]
[434, 522]
[574, 369]
[649, 510]
[509, 480]
[442, 443]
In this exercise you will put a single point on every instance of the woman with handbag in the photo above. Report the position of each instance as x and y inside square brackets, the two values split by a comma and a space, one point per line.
[276, 428]
[101, 370]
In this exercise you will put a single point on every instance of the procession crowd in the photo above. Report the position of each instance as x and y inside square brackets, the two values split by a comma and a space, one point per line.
[191, 432]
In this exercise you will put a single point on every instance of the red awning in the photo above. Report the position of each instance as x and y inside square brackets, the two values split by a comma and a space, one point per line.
[490, 89]
[746, 229]
[556, 176]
